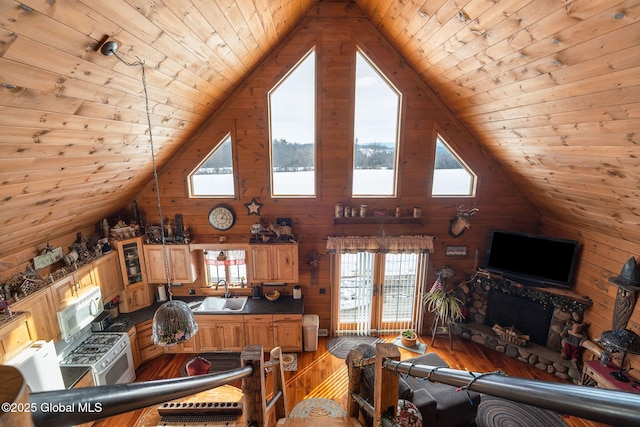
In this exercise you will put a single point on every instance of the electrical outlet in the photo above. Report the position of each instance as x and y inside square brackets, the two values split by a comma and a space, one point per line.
[192, 291]
[323, 291]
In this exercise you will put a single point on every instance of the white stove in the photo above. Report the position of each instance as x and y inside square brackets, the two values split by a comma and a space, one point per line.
[108, 354]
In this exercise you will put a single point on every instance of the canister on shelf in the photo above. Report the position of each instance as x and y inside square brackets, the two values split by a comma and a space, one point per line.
[339, 210]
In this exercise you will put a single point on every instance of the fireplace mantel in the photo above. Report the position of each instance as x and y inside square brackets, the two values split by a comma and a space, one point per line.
[564, 299]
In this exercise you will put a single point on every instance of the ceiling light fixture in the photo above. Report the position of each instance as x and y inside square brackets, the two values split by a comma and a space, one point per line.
[173, 322]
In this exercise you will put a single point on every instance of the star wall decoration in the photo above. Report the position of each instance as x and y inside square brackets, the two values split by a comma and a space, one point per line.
[253, 207]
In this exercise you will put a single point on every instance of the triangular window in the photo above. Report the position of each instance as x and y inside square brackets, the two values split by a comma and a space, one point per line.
[214, 176]
[451, 177]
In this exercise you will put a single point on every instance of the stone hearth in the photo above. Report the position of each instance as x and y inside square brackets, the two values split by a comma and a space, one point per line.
[567, 308]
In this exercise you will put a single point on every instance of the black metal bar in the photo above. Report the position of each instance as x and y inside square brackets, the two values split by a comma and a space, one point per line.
[81, 405]
[607, 406]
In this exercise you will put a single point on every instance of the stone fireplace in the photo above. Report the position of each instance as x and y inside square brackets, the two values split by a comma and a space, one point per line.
[542, 313]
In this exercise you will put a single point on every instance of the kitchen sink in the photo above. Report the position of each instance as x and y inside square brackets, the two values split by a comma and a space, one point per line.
[221, 305]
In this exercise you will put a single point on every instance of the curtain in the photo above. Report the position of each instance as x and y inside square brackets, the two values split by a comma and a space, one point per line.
[380, 244]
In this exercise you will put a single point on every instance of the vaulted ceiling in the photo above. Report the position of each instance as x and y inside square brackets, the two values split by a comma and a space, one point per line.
[550, 88]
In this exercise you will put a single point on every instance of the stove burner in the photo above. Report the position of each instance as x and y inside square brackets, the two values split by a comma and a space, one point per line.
[92, 349]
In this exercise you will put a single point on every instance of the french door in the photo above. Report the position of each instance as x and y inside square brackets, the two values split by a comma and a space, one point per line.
[377, 292]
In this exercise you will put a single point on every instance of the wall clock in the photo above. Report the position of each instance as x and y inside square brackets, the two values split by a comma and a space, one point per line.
[221, 217]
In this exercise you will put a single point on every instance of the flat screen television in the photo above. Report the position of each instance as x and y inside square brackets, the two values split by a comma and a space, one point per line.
[532, 259]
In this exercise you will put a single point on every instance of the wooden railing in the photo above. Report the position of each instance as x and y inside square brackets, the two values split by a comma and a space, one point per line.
[117, 399]
[607, 406]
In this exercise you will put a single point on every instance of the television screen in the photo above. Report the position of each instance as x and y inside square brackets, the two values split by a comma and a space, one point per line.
[532, 259]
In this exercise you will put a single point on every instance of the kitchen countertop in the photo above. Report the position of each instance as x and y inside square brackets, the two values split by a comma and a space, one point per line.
[283, 305]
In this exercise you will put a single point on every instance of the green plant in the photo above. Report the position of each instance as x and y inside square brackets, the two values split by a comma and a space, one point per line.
[445, 304]
[409, 333]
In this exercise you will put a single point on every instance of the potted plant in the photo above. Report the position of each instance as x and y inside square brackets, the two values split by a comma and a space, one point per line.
[445, 304]
[408, 338]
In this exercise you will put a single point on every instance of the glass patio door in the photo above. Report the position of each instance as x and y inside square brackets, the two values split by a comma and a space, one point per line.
[378, 293]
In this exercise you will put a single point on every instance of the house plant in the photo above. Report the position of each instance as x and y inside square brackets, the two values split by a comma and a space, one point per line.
[445, 304]
[408, 338]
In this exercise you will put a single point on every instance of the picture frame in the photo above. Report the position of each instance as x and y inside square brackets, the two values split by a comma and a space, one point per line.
[456, 251]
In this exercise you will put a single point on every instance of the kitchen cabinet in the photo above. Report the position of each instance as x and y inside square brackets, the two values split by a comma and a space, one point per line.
[258, 329]
[181, 264]
[135, 297]
[41, 308]
[274, 263]
[148, 350]
[85, 381]
[220, 332]
[135, 348]
[132, 262]
[190, 346]
[287, 331]
[72, 285]
[106, 273]
[16, 335]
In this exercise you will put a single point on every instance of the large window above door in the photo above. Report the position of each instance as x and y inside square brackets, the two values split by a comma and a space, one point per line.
[375, 132]
[292, 106]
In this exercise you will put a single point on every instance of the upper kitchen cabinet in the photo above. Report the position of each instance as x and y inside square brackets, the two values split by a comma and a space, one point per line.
[274, 263]
[72, 285]
[41, 308]
[106, 272]
[132, 262]
[181, 264]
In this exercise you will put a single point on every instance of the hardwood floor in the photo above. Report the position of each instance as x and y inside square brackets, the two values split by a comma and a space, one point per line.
[320, 374]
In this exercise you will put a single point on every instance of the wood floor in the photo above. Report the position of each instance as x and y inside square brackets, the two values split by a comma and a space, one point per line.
[320, 374]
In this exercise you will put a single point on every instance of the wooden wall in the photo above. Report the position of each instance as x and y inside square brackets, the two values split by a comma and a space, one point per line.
[602, 257]
[246, 117]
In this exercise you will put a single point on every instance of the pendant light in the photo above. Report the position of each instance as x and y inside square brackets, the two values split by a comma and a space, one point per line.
[173, 322]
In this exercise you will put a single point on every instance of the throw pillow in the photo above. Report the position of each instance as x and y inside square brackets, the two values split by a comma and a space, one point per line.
[408, 414]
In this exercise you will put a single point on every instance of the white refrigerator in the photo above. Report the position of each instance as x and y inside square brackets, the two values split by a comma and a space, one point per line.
[39, 366]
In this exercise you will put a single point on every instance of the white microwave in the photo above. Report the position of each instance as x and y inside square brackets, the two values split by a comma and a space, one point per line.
[80, 313]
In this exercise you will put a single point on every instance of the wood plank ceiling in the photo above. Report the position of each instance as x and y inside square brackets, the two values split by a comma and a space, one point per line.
[551, 88]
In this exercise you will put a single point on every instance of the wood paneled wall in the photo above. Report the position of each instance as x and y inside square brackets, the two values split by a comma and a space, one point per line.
[602, 257]
[245, 115]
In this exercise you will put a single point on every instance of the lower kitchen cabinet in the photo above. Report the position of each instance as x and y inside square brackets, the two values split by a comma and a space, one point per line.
[287, 331]
[135, 348]
[148, 350]
[190, 346]
[220, 332]
[85, 381]
[258, 329]
[42, 310]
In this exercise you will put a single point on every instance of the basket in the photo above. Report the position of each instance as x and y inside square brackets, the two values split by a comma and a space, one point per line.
[272, 296]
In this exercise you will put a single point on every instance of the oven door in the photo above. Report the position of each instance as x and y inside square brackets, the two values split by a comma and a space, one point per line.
[119, 371]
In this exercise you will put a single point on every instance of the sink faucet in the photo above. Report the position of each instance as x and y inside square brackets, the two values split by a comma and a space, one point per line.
[227, 294]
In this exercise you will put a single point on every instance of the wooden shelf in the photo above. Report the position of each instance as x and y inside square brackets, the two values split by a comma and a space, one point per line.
[377, 220]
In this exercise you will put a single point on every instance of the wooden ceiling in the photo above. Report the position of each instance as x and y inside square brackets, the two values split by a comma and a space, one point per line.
[551, 88]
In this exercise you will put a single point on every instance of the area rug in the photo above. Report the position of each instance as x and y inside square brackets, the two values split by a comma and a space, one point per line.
[496, 412]
[420, 348]
[209, 363]
[340, 346]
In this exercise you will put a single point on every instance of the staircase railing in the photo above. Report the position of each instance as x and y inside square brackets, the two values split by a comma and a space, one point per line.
[607, 406]
[74, 406]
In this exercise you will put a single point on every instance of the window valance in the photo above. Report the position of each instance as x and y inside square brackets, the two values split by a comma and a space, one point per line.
[380, 244]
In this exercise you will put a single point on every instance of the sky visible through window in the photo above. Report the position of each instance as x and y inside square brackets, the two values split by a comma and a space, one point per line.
[292, 110]
[377, 106]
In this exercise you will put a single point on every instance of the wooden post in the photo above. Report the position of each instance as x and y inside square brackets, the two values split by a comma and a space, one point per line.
[355, 377]
[385, 391]
[253, 387]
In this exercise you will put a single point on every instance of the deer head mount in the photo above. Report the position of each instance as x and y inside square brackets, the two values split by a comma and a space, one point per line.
[461, 221]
